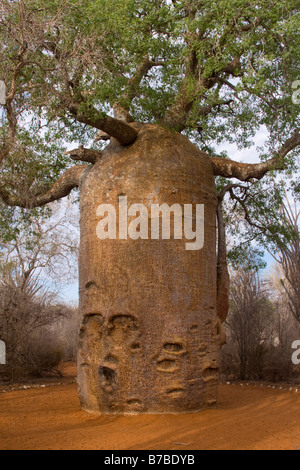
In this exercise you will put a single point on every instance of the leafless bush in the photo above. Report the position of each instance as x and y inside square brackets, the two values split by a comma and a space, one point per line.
[66, 333]
[249, 319]
[32, 318]
[43, 354]
[260, 330]
[25, 321]
[288, 255]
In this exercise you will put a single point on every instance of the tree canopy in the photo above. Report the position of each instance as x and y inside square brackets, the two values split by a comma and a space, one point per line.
[218, 71]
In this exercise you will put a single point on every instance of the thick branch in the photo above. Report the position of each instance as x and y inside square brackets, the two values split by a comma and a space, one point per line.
[177, 116]
[248, 171]
[134, 82]
[120, 130]
[84, 155]
[244, 171]
[61, 188]
[121, 113]
[101, 136]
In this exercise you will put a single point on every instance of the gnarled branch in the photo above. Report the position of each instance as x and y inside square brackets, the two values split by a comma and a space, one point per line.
[134, 82]
[61, 188]
[84, 155]
[120, 130]
[248, 171]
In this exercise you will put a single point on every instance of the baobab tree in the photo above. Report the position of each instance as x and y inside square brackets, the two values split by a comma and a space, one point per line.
[165, 82]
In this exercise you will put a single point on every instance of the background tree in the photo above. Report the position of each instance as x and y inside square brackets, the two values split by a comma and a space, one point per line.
[249, 320]
[275, 230]
[288, 256]
[260, 329]
[32, 265]
[286, 330]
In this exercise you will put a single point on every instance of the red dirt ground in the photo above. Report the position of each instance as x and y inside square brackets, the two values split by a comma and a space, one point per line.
[249, 417]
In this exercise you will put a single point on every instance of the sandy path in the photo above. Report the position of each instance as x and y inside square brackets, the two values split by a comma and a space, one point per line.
[247, 418]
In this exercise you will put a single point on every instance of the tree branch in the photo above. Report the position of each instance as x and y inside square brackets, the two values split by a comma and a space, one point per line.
[228, 188]
[206, 110]
[250, 25]
[134, 82]
[84, 155]
[177, 116]
[61, 188]
[247, 217]
[248, 171]
[120, 130]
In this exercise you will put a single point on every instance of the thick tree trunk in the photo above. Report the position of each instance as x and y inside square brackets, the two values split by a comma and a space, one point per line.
[150, 334]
